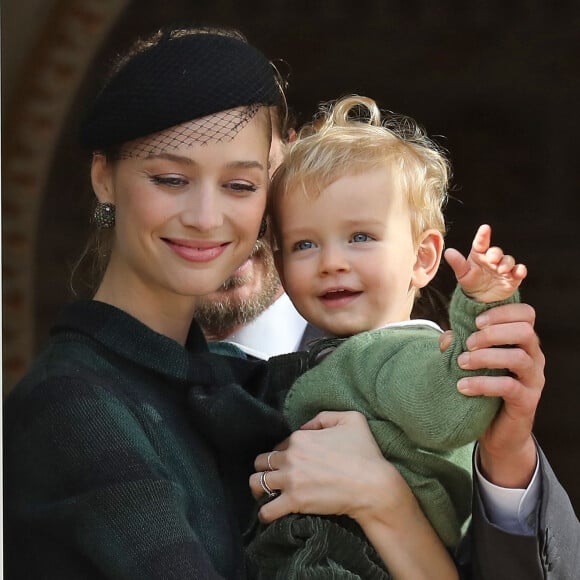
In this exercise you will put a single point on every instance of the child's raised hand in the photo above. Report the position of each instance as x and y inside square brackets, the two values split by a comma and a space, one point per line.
[487, 275]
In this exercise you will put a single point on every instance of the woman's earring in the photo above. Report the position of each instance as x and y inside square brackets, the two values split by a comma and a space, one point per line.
[104, 215]
[263, 228]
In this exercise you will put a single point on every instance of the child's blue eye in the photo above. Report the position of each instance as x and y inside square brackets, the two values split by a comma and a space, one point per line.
[303, 245]
[360, 237]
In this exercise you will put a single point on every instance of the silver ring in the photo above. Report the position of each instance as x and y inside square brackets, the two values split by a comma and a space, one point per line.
[270, 468]
[269, 491]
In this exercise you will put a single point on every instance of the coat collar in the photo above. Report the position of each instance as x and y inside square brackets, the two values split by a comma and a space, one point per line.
[129, 338]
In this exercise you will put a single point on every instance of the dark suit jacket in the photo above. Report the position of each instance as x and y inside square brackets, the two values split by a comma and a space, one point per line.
[552, 554]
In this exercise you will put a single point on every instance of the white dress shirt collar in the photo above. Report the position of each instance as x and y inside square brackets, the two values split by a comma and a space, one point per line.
[278, 330]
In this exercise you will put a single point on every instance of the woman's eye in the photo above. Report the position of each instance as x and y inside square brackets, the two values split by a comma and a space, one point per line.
[303, 245]
[169, 180]
[242, 186]
[360, 237]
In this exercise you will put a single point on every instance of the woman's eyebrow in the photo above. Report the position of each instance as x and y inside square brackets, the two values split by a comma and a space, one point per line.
[245, 165]
[250, 164]
[172, 157]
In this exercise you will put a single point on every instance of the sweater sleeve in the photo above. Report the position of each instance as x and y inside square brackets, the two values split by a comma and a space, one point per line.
[399, 375]
[85, 476]
[417, 387]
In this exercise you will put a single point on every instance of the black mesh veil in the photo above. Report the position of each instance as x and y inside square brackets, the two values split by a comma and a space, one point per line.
[222, 126]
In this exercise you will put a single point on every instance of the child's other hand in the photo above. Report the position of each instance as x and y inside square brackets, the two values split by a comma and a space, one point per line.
[487, 275]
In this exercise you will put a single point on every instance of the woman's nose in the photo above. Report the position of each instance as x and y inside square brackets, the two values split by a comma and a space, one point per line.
[203, 210]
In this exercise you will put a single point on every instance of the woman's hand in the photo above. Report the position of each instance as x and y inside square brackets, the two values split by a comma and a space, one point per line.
[507, 450]
[333, 465]
[324, 468]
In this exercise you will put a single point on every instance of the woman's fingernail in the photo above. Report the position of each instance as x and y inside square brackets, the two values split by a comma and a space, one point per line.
[482, 320]
[463, 360]
[463, 386]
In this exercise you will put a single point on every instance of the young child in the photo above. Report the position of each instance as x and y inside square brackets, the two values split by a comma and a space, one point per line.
[356, 213]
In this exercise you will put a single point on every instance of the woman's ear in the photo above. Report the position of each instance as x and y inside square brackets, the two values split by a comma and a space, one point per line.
[429, 252]
[102, 179]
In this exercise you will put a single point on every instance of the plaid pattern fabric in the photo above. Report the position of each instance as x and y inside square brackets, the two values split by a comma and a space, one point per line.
[127, 455]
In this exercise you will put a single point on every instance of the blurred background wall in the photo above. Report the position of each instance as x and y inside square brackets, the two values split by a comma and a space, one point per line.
[497, 82]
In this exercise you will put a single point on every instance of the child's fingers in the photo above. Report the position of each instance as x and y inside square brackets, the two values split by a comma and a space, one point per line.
[482, 239]
[494, 256]
[520, 272]
[457, 262]
[506, 264]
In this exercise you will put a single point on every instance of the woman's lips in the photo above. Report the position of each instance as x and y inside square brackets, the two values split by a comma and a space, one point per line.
[196, 251]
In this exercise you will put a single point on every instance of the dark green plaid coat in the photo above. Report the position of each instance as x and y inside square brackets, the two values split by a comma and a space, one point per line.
[128, 456]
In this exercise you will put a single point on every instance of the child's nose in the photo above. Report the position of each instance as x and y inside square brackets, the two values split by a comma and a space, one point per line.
[333, 260]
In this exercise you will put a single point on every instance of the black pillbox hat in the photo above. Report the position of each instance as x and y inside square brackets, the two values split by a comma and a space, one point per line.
[179, 79]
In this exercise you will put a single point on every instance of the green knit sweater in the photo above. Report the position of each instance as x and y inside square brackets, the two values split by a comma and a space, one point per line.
[128, 456]
[398, 378]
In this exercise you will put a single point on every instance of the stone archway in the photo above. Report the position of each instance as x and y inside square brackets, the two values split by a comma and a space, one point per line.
[70, 38]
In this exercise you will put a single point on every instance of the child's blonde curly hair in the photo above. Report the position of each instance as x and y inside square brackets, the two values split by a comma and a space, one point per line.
[351, 136]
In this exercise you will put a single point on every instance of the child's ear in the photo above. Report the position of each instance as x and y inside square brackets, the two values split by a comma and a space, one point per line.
[101, 178]
[429, 252]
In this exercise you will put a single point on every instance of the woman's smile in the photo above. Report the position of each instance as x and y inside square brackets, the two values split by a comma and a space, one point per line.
[196, 251]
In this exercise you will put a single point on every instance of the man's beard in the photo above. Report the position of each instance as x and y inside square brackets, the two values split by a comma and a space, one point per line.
[220, 314]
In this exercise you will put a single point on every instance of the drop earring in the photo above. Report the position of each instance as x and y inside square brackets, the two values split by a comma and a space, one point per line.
[104, 215]
[263, 228]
